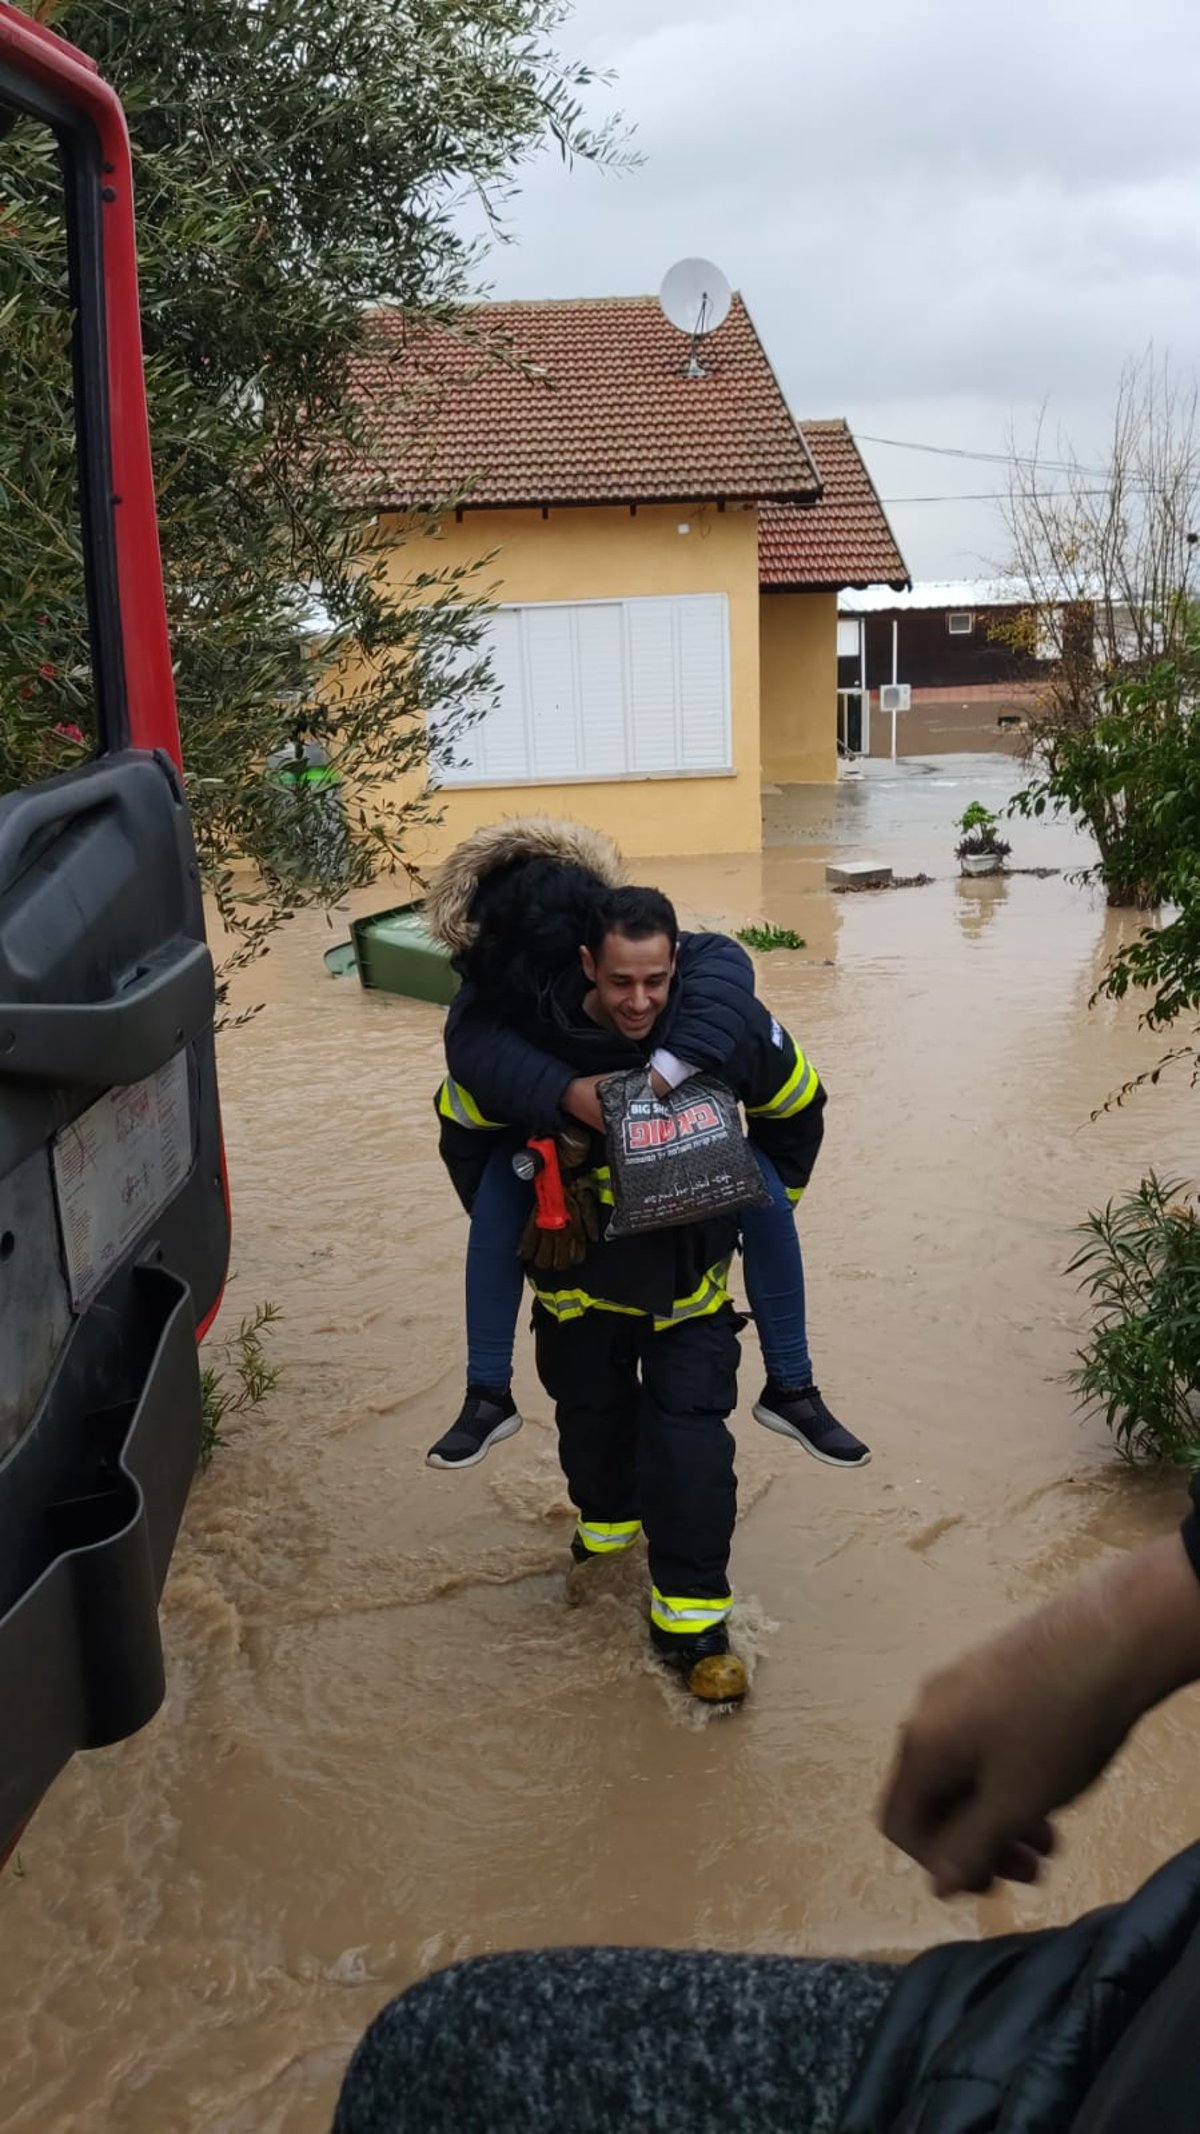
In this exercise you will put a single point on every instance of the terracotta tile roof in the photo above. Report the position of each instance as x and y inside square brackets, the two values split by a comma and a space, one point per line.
[599, 411]
[844, 540]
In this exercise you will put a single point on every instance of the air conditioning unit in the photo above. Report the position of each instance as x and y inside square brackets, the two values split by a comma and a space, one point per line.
[896, 696]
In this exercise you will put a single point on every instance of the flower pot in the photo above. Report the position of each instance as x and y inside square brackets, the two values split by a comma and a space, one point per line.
[981, 863]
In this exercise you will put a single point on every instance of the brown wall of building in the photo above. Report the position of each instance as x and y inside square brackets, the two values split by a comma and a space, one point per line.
[930, 658]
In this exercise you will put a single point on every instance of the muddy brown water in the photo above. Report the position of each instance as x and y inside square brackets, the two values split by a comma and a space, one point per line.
[388, 1741]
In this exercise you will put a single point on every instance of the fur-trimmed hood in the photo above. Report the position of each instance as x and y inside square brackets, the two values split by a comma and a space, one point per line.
[455, 883]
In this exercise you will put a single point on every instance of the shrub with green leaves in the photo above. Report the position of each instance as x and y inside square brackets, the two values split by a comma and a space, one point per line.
[765, 938]
[1160, 735]
[980, 833]
[1139, 1264]
[1106, 545]
[238, 1379]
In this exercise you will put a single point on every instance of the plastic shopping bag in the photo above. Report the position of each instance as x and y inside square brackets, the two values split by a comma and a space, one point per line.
[675, 1159]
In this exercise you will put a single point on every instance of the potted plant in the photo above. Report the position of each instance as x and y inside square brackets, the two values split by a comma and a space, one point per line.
[979, 849]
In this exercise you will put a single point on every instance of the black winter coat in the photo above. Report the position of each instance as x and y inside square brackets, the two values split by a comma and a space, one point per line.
[1092, 2028]
[707, 1022]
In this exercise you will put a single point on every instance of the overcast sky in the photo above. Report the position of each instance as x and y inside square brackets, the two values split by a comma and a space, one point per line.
[940, 215]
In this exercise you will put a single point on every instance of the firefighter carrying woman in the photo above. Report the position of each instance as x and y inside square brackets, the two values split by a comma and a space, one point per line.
[570, 977]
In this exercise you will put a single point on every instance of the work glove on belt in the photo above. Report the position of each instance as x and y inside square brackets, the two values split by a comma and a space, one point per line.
[553, 1251]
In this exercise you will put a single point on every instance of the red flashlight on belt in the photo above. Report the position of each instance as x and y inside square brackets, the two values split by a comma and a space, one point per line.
[538, 1163]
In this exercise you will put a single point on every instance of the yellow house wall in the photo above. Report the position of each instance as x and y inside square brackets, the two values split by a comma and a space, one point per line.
[602, 555]
[798, 637]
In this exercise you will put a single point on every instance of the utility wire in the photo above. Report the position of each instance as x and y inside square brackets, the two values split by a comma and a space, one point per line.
[995, 459]
[987, 496]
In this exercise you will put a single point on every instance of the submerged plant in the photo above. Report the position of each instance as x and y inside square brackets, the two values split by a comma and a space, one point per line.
[768, 937]
[240, 1379]
[978, 825]
[1139, 1263]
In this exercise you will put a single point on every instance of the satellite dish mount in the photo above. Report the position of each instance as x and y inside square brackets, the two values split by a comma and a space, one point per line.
[695, 297]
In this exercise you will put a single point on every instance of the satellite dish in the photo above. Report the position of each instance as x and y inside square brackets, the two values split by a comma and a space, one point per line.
[695, 297]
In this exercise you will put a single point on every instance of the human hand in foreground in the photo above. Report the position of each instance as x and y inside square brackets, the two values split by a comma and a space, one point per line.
[582, 1101]
[1024, 1724]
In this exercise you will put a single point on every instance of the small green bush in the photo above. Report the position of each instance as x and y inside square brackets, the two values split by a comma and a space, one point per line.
[980, 833]
[1139, 1263]
[768, 937]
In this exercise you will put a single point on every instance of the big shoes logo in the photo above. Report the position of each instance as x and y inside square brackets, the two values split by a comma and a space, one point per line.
[647, 1128]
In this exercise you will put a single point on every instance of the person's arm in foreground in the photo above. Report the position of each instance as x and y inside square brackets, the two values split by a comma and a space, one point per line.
[1018, 1728]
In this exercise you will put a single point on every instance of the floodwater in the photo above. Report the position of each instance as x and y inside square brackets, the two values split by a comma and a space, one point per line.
[388, 1740]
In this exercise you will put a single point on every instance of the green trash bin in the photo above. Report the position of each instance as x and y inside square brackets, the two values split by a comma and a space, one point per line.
[312, 820]
[396, 953]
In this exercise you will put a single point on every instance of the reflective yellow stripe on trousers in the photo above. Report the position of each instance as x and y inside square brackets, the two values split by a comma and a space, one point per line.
[675, 1612]
[712, 1294]
[563, 1304]
[606, 1537]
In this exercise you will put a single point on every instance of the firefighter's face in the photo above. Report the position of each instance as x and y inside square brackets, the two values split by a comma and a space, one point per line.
[632, 980]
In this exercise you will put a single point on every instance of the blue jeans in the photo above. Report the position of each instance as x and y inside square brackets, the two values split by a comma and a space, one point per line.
[774, 1277]
[495, 1275]
[774, 1273]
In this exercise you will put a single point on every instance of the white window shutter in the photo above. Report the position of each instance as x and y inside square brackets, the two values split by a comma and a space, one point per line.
[454, 755]
[602, 689]
[702, 627]
[600, 658]
[499, 741]
[652, 668]
[550, 692]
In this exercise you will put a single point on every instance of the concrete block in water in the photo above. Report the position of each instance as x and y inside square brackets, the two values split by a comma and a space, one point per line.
[857, 874]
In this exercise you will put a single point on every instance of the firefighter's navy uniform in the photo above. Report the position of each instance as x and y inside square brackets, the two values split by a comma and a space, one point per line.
[637, 1346]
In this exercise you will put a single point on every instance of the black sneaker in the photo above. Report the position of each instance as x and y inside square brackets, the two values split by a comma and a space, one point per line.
[800, 1413]
[711, 1671]
[486, 1417]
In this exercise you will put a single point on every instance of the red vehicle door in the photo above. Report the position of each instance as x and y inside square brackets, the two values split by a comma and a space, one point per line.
[114, 1225]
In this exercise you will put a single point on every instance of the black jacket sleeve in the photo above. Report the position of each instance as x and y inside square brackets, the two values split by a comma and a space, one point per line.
[509, 1078]
[784, 1099]
[716, 996]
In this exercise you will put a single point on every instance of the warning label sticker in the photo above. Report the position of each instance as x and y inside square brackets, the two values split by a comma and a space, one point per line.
[116, 1167]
